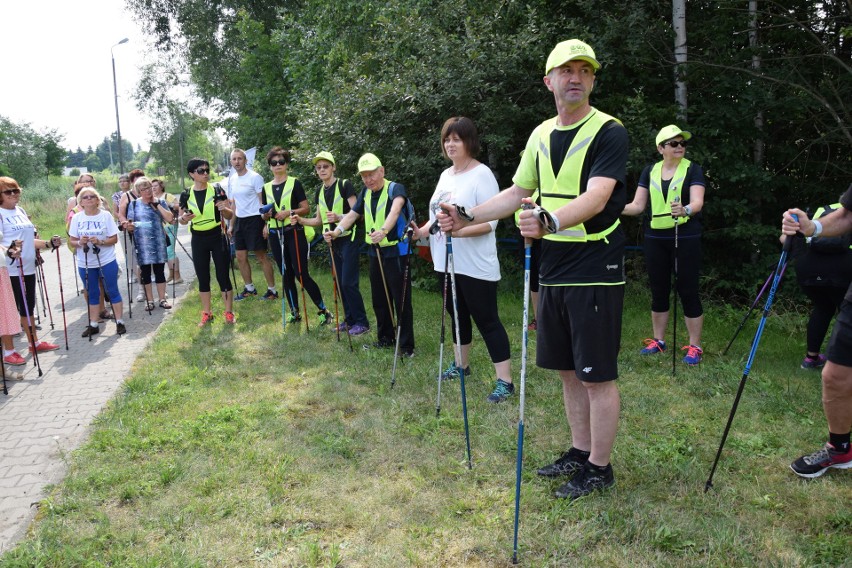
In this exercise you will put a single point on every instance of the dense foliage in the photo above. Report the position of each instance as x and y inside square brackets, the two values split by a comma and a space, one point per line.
[378, 76]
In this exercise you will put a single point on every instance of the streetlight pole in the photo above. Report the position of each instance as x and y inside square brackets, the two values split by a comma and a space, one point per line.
[117, 123]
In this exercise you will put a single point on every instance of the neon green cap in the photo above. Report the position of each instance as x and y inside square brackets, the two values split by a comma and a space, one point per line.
[368, 163]
[570, 50]
[671, 131]
[324, 156]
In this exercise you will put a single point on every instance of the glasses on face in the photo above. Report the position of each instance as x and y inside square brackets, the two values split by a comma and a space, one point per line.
[203, 171]
[88, 197]
[675, 143]
[11, 192]
[319, 167]
[89, 181]
[145, 188]
[277, 162]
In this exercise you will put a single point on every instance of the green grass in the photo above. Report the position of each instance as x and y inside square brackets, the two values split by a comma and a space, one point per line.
[249, 446]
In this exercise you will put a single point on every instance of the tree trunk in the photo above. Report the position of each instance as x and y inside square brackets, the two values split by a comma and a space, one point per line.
[759, 143]
[679, 25]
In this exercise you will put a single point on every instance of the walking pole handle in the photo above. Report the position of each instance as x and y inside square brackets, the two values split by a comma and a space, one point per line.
[788, 242]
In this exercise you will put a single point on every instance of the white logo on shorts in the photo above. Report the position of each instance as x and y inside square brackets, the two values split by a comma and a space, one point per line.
[612, 267]
[587, 369]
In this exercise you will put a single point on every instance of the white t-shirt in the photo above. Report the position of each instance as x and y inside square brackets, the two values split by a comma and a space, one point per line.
[472, 256]
[100, 225]
[245, 191]
[18, 227]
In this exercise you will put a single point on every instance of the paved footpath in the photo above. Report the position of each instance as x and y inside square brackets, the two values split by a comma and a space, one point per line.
[45, 418]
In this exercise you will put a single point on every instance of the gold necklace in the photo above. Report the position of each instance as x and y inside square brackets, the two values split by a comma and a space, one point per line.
[457, 171]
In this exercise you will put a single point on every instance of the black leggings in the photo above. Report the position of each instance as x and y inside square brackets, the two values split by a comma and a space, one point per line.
[159, 271]
[826, 304]
[292, 263]
[207, 245]
[659, 262]
[477, 299]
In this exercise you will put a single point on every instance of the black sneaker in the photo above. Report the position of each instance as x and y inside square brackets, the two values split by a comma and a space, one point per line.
[379, 345]
[91, 330]
[588, 480]
[270, 295]
[569, 463]
[245, 294]
[120, 329]
[409, 353]
[822, 460]
[502, 391]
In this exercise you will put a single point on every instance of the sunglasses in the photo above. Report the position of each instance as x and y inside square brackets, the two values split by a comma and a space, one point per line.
[11, 192]
[277, 162]
[676, 143]
[202, 171]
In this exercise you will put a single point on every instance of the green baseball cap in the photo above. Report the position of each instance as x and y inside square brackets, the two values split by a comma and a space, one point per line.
[368, 163]
[324, 156]
[671, 131]
[570, 50]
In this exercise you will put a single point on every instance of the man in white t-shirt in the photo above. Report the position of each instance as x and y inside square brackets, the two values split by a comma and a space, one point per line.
[244, 188]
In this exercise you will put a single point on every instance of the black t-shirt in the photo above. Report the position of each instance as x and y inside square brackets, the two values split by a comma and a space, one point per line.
[594, 261]
[396, 190]
[846, 202]
[694, 176]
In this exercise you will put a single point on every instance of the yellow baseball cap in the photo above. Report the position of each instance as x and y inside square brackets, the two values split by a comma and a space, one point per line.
[368, 163]
[570, 50]
[671, 131]
[324, 156]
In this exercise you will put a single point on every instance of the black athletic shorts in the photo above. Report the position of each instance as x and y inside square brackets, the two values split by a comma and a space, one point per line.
[579, 329]
[248, 233]
[840, 344]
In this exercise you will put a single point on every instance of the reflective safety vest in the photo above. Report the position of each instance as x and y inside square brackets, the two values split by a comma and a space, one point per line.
[830, 245]
[205, 221]
[661, 209]
[286, 195]
[377, 222]
[336, 207]
[557, 191]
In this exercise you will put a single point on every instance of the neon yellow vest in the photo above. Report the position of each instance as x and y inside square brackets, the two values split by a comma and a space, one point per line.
[377, 222]
[661, 211]
[336, 207]
[205, 221]
[286, 194]
[823, 211]
[558, 190]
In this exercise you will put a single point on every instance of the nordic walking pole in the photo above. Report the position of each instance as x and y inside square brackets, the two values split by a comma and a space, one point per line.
[385, 283]
[399, 314]
[86, 281]
[301, 276]
[779, 272]
[458, 338]
[127, 268]
[101, 280]
[525, 332]
[751, 309]
[443, 331]
[32, 338]
[675, 297]
[3, 368]
[338, 291]
[62, 298]
[45, 297]
[76, 276]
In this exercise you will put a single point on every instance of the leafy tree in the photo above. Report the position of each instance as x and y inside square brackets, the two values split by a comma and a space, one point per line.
[75, 158]
[54, 153]
[93, 163]
[22, 153]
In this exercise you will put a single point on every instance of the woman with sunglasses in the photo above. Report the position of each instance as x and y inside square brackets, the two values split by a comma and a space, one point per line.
[20, 242]
[94, 233]
[146, 217]
[286, 234]
[672, 238]
[203, 207]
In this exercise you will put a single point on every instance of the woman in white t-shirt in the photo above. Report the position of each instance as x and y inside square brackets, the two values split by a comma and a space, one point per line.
[18, 238]
[94, 234]
[468, 182]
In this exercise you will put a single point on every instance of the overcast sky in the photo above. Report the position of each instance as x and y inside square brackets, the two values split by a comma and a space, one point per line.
[57, 71]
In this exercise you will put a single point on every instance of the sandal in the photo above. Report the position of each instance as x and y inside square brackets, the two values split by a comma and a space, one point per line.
[165, 305]
[149, 306]
[105, 314]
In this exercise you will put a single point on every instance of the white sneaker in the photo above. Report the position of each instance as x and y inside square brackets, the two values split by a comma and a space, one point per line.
[140, 297]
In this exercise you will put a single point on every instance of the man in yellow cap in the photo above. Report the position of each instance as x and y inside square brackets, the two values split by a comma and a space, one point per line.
[578, 162]
[382, 204]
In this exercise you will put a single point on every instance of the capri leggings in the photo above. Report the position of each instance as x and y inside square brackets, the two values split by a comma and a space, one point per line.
[30, 284]
[294, 243]
[91, 279]
[659, 262]
[159, 271]
[477, 299]
[207, 245]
